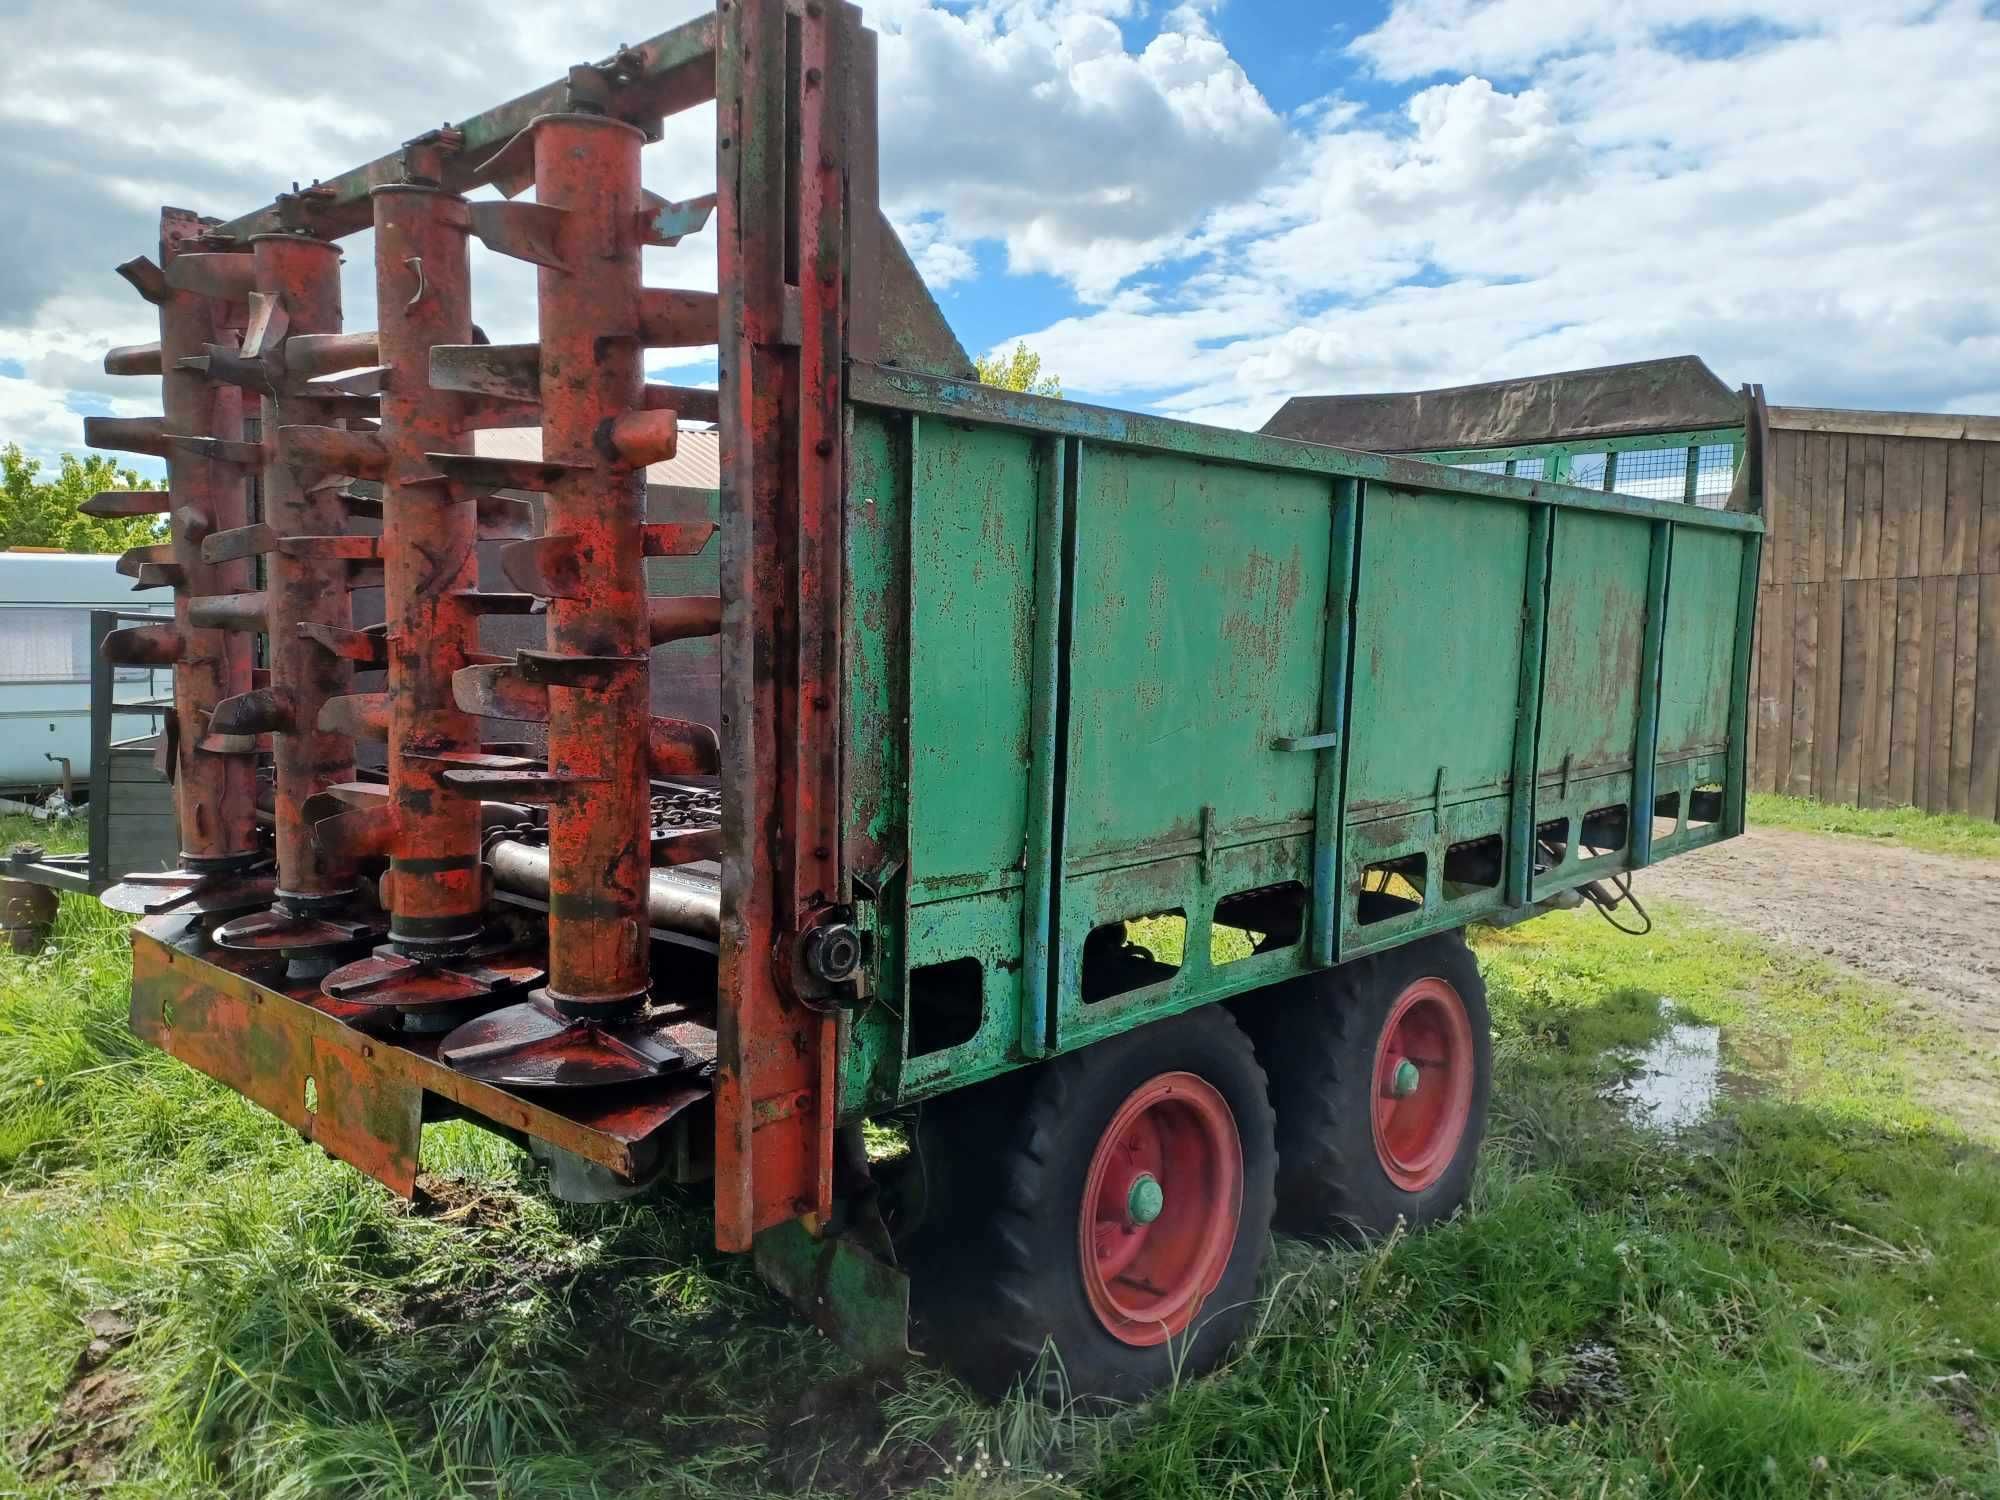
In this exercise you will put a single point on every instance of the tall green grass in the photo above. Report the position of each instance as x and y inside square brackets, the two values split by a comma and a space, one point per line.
[1934, 833]
[1797, 1299]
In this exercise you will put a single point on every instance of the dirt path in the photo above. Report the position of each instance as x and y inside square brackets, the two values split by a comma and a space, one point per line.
[1927, 922]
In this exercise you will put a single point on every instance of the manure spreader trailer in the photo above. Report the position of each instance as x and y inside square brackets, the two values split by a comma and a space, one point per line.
[1099, 794]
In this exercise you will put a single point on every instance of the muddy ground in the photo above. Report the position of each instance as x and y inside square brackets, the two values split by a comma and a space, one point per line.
[1928, 923]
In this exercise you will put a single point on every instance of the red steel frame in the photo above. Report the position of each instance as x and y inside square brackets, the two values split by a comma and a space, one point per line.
[797, 226]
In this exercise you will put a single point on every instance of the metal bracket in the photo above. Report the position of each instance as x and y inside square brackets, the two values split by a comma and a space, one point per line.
[1208, 843]
[857, 1300]
[1290, 742]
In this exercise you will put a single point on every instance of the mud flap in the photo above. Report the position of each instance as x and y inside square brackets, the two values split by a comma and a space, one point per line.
[851, 1295]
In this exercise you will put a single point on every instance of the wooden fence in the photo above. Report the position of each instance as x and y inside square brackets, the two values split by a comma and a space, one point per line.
[1877, 675]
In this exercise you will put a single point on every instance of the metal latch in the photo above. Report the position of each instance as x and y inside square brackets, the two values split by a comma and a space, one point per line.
[1324, 741]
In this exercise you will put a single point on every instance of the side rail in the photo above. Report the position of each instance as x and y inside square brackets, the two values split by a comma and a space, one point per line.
[1698, 467]
[1149, 715]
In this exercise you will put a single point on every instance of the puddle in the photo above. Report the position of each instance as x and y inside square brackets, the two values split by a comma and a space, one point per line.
[1675, 1083]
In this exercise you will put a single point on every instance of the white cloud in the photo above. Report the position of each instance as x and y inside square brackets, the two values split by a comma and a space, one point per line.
[1420, 38]
[1797, 192]
[942, 261]
[1809, 212]
[1028, 121]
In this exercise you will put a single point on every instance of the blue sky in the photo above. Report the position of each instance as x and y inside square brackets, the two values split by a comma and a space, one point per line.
[1199, 207]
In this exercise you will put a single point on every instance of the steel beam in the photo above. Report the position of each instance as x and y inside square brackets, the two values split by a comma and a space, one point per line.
[672, 72]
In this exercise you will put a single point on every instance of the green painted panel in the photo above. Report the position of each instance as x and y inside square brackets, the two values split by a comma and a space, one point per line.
[972, 570]
[986, 928]
[1437, 643]
[1700, 641]
[877, 532]
[1164, 885]
[1597, 627]
[1199, 621]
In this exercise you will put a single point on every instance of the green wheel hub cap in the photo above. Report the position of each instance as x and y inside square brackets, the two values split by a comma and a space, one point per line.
[1406, 1079]
[1144, 1202]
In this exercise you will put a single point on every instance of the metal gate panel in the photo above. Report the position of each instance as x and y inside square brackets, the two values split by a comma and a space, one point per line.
[1198, 639]
[1436, 650]
[1698, 653]
[1596, 637]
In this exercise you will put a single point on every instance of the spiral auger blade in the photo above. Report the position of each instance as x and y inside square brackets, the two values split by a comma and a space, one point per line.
[200, 293]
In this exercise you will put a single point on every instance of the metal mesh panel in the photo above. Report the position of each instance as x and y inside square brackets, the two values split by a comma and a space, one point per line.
[1520, 468]
[1715, 471]
[1702, 475]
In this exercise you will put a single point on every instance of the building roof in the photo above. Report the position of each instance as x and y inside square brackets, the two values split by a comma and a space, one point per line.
[697, 466]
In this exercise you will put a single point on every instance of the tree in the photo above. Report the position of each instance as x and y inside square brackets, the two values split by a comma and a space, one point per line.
[1019, 371]
[37, 512]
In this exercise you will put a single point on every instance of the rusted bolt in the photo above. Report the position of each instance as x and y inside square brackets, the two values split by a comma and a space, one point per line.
[812, 77]
[824, 447]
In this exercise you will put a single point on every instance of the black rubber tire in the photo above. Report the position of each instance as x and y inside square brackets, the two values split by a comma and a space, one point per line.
[1316, 1038]
[1001, 1277]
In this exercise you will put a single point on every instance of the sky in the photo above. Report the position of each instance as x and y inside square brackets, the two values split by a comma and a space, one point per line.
[1194, 207]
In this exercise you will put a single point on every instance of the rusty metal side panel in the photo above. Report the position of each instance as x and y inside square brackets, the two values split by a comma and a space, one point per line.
[971, 608]
[1200, 599]
[1698, 653]
[1596, 636]
[1436, 651]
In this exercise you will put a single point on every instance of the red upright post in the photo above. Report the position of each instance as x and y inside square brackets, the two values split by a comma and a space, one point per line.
[305, 585]
[214, 791]
[429, 534]
[215, 795]
[592, 373]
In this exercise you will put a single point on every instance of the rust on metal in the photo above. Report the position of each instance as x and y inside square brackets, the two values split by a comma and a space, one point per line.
[385, 938]
[367, 1107]
[214, 795]
[587, 170]
[430, 531]
[299, 278]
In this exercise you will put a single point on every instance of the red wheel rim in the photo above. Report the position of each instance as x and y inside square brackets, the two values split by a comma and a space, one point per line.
[1152, 1253]
[1420, 1114]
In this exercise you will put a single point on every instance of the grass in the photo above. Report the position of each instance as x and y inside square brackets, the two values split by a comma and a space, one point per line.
[69, 835]
[1935, 833]
[1796, 1299]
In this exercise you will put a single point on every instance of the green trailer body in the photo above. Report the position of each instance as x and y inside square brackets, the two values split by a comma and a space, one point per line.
[1106, 667]
[1041, 730]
